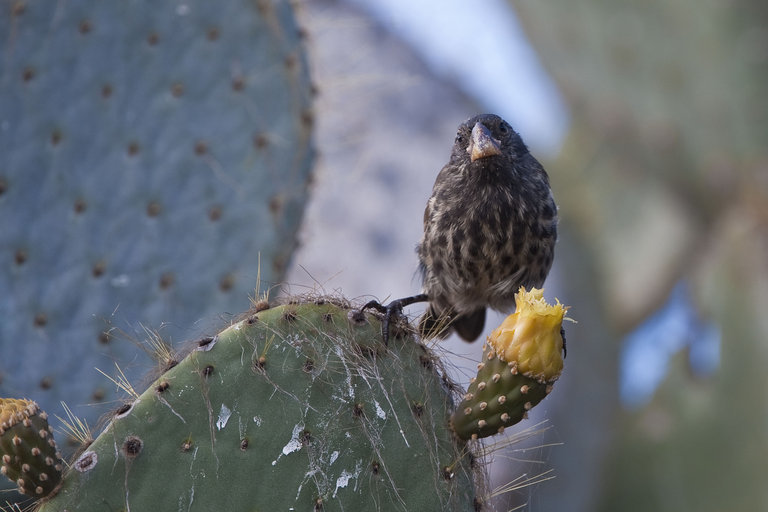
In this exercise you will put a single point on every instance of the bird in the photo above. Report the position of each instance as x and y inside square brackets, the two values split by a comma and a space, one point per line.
[490, 227]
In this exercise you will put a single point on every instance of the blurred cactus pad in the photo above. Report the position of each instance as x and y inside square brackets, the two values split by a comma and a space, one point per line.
[295, 407]
[154, 163]
[666, 169]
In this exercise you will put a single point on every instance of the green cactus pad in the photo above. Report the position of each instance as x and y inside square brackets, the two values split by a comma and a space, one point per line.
[498, 397]
[151, 155]
[298, 407]
[28, 454]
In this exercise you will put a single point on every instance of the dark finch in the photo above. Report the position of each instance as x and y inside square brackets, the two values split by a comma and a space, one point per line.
[489, 227]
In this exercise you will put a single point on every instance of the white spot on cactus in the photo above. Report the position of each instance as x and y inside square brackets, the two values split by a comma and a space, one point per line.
[344, 479]
[257, 421]
[294, 444]
[334, 456]
[379, 411]
[224, 415]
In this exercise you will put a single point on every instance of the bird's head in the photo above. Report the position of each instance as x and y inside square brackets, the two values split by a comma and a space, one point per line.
[486, 137]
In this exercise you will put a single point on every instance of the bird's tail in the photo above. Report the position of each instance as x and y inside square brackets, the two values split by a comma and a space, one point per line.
[438, 324]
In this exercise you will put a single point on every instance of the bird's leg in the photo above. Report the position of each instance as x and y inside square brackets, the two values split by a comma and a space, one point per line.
[393, 308]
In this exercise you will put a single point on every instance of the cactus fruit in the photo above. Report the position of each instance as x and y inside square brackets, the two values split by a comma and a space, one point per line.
[522, 359]
[151, 154]
[28, 454]
[296, 407]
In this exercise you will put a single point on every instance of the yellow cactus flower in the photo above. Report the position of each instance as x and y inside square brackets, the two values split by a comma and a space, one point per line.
[14, 410]
[531, 336]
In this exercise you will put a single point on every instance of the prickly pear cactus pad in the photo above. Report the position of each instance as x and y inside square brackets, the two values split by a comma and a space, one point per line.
[522, 359]
[151, 154]
[298, 407]
[28, 454]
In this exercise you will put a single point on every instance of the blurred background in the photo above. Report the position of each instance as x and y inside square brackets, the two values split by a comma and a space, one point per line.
[652, 122]
[651, 119]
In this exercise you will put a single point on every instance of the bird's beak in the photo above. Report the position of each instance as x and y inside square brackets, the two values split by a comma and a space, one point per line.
[482, 144]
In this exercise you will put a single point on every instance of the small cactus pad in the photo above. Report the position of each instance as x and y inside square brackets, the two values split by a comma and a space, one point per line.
[296, 407]
[521, 360]
[28, 454]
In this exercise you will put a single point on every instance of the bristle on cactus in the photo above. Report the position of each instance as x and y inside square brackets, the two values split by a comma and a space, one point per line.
[521, 360]
[28, 454]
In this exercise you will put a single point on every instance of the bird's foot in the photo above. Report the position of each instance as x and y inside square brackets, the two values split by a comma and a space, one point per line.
[392, 310]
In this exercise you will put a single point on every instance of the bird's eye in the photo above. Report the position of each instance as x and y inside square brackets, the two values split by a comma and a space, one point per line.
[459, 138]
[503, 128]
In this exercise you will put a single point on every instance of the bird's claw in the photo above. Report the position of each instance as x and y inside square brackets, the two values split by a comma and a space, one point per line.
[393, 309]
